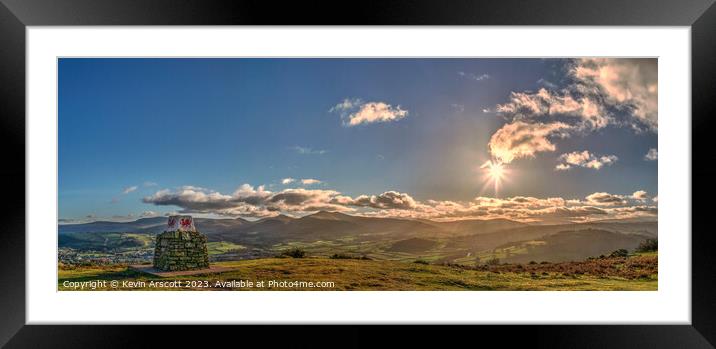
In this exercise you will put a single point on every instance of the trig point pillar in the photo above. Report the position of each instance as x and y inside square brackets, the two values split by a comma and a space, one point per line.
[180, 246]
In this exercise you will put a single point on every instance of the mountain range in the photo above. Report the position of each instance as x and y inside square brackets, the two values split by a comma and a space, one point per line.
[325, 225]
[453, 240]
[322, 225]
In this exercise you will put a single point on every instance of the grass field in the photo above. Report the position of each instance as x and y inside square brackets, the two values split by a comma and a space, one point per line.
[220, 247]
[634, 273]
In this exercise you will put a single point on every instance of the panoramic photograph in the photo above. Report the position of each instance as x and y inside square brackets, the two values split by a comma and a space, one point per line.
[357, 174]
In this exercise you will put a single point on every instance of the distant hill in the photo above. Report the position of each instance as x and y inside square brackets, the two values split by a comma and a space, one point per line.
[140, 225]
[384, 237]
[325, 226]
[104, 241]
[479, 242]
[153, 225]
[571, 245]
[321, 225]
[650, 228]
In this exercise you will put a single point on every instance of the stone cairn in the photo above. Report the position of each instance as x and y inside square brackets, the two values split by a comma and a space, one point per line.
[180, 246]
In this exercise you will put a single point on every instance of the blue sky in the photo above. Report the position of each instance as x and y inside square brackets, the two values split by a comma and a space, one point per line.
[152, 136]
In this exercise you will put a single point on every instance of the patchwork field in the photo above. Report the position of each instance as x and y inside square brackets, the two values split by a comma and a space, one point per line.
[467, 242]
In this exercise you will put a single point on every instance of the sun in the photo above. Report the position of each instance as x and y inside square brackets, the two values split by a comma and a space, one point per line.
[495, 173]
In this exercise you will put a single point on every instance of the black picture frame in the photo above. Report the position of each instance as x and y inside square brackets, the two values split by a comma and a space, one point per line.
[699, 15]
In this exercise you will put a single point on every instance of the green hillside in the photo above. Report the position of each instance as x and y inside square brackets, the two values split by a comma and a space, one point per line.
[633, 273]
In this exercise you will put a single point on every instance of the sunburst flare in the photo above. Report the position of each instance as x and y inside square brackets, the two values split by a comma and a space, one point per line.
[495, 173]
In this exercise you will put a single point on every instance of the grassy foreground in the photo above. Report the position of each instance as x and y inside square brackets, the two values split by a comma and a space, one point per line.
[634, 273]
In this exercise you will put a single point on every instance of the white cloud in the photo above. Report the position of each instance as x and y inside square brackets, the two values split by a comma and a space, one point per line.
[308, 150]
[601, 92]
[186, 196]
[472, 76]
[633, 211]
[310, 181]
[547, 83]
[628, 82]
[458, 107]
[606, 199]
[584, 159]
[522, 140]
[581, 112]
[562, 167]
[287, 181]
[303, 200]
[88, 218]
[246, 201]
[356, 112]
[128, 190]
[388, 199]
[258, 202]
[640, 195]
[529, 209]
[121, 218]
[149, 214]
[651, 155]
[347, 104]
[149, 184]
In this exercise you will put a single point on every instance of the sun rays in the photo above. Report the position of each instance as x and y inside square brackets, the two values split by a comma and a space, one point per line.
[495, 173]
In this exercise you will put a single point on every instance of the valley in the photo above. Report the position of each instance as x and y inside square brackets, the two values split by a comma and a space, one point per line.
[324, 234]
